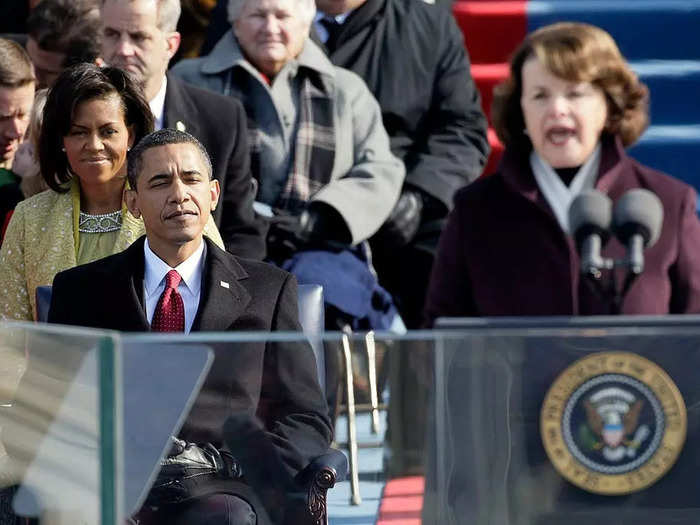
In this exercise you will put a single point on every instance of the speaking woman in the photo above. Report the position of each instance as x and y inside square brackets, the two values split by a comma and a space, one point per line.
[568, 110]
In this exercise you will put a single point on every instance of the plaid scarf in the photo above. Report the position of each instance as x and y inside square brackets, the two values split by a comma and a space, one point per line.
[314, 149]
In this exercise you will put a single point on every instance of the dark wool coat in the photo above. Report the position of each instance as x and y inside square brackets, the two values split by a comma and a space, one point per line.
[503, 252]
[412, 57]
[219, 123]
[277, 380]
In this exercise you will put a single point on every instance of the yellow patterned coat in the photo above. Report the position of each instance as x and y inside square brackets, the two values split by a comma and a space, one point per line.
[40, 242]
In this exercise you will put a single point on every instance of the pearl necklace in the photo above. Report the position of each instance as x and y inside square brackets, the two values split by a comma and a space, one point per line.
[103, 223]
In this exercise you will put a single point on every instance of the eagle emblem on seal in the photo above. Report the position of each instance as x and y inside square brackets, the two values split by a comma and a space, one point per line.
[612, 421]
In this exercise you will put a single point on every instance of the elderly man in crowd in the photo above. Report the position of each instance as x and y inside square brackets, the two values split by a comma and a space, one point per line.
[320, 151]
[431, 111]
[140, 37]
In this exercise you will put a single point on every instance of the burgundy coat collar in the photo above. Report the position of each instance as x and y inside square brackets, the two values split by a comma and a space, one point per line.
[614, 165]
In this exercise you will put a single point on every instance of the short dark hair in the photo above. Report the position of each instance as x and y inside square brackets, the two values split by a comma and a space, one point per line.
[578, 53]
[162, 137]
[16, 69]
[71, 27]
[75, 85]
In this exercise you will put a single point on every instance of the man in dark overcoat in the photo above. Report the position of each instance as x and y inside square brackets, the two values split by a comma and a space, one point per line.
[174, 279]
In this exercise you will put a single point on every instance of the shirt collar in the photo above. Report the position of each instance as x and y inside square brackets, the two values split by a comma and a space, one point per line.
[190, 269]
[158, 104]
[340, 19]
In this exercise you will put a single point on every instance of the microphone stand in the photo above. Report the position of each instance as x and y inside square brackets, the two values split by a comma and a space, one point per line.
[611, 293]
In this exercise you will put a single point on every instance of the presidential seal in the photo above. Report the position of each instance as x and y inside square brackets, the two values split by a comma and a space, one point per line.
[613, 423]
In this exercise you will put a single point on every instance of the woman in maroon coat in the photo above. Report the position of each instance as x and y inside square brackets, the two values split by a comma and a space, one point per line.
[569, 108]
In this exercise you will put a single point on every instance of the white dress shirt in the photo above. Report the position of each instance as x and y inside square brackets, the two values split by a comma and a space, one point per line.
[158, 105]
[190, 287]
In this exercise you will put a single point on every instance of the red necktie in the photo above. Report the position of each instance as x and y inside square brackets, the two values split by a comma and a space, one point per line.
[169, 315]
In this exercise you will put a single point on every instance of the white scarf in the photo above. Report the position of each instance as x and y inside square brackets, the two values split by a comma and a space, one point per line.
[558, 195]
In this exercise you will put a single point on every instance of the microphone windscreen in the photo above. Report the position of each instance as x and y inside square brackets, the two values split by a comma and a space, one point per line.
[638, 211]
[590, 211]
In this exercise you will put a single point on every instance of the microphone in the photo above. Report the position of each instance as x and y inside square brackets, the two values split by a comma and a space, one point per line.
[637, 221]
[590, 215]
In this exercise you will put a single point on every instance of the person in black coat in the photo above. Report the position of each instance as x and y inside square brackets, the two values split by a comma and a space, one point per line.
[173, 193]
[140, 37]
[412, 57]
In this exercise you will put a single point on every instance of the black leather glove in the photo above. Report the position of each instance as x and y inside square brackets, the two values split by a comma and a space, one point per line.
[318, 226]
[321, 223]
[184, 468]
[283, 238]
[404, 221]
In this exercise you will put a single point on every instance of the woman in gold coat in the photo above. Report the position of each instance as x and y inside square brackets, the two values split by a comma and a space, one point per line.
[92, 118]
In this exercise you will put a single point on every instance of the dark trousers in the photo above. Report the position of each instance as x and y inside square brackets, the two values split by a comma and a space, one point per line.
[215, 509]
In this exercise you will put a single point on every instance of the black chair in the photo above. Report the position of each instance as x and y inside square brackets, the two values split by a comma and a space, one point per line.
[324, 471]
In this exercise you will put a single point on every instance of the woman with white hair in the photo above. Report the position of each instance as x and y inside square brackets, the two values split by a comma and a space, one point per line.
[320, 151]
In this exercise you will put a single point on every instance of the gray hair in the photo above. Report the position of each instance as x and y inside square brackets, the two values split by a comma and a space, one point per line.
[168, 14]
[162, 137]
[306, 8]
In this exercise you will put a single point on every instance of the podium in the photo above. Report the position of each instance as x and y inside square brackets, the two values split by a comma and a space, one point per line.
[565, 421]
[91, 418]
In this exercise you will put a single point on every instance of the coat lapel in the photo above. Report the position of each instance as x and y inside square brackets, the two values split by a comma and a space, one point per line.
[616, 172]
[223, 298]
[129, 290]
[179, 112]
[360, 17]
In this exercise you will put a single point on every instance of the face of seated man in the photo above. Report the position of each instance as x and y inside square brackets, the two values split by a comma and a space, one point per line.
[174, 196]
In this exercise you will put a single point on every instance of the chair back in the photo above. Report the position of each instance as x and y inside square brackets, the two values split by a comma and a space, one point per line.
[312, 320]
[43, 303]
